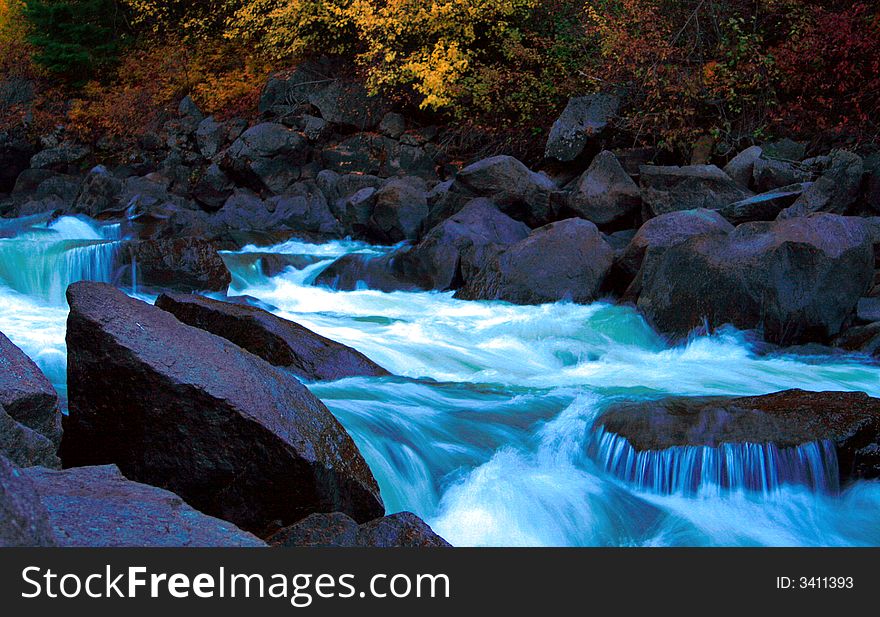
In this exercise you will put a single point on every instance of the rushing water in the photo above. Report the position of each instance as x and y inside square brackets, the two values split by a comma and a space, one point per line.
[487, 430]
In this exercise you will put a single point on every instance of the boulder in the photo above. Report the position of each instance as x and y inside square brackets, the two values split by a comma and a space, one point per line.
[850, 420]
[605, 194]
[210, 136]
[287, 91]
[182, 409]
[860, 339]
[668, 189]
[392, 125]
[388, 272]
[189, 114]
[399, 210]
[15, 157]
[212, 188]
[184, 264]
[741, 167]
[763, 207]
[797, 280]
[268, 155]
[785, 150]
[283, 343]
[25, 393]
[346, 102]
[583, 119]
[452, 253]
[97, 507]
[836, 190]
[870, 200]
[772, 174]
[303, 208]
[868, 310]
[24, 446]
[368, 153]
[100, 191]
[668, 230]
[568, 260]
[516, 190]
[402, 530]
[24, 521]
[60, 157]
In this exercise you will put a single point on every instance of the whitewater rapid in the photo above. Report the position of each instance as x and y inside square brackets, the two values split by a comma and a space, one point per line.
[484, 432]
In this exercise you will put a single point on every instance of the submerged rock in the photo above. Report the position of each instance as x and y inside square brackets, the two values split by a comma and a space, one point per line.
[278, 341]
[99, 507]
[25, 393]
[568, 260]
[180, 408]
[797, 280]
[402, 530]
[188, 264]
[23, 518]
[850, 421]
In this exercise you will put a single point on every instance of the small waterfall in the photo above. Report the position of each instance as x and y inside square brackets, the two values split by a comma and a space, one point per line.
[45, 260]
[686, 470]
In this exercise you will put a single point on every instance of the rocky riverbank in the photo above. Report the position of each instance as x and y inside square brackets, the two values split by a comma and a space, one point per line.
[221, 440]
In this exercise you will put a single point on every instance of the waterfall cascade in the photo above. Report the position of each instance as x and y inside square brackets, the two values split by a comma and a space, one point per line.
[687, 470]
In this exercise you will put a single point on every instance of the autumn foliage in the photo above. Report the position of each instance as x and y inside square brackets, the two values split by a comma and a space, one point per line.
[736, 70]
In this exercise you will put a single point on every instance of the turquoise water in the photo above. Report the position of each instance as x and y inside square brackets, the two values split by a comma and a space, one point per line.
[484, 432]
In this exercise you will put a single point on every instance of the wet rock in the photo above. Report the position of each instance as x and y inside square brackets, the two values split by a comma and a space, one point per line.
[23, 518]
[669, 189]
[568, 260]
[741, 167]
[402, 530]
[26, 394]
[284, 343]
[797, 280]
[868, 310]
[791, 418]
[24, 446]
[302, 208]
[584, 118]
[860, 339]
[389, 272]
[100, 191]
[836, 190]
[452, 253]
[763, 207]
[605, 194]
[232, 435]
[98, 507]
[184, 264]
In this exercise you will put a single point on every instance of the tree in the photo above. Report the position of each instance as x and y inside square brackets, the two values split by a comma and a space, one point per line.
[75, 39]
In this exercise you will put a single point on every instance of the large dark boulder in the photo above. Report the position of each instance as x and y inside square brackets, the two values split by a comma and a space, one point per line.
[24, 521]
[15, 157]
[518, 191]
[741, 167]
[177, 407]
[278, 341]
[851, 421]
[772, 174]
[836, 190]
[388, 272]
[668, 230]
[568, 260]
[268, 155]
[764, 207]
[797, 280]
[346, 102]
[400, 207]
[402, 530]
[454, 251]
[584, 118]
[606, 195]
[100, 191]
[185, 264]
[302, 208]
[860, 339]
[25, 393]
[61, 157]
[24, 446]
[372, 154]
[98, 507]
[668, 189]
